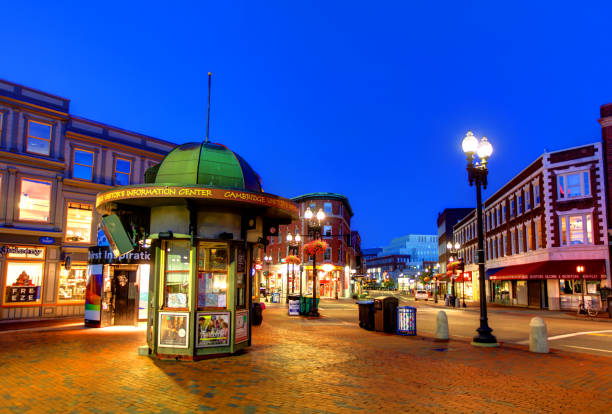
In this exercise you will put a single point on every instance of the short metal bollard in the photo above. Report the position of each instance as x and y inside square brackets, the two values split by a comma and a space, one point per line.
[406, 320]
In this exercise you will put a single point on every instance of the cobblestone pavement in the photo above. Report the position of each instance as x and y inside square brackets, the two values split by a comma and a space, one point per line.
[296, 365]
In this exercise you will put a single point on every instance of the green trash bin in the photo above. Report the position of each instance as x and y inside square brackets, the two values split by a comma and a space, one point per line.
[306, 304]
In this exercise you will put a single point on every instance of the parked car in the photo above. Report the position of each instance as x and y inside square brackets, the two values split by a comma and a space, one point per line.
[421, 294]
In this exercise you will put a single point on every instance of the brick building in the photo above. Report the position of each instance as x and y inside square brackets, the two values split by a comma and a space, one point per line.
[342, 253]
[446, 221]
[52, 164]
[539, 227]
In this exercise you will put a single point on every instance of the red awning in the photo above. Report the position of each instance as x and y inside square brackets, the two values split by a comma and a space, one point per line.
[555, 269]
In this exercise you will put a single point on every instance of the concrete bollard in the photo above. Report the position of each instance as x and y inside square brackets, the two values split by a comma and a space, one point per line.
[538, 338]
[441, 327]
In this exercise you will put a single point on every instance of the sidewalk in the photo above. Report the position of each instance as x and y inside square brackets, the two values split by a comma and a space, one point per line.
[295, 365]
[42, 324]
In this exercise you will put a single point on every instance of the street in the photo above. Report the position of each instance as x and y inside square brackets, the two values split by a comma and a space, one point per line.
[510, 325]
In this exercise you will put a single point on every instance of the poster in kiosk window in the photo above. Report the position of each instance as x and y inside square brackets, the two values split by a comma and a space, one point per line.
[116, 235]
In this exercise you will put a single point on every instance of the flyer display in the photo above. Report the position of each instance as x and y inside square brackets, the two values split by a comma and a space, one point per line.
[242, 326]
[213, 329]
[173, 329]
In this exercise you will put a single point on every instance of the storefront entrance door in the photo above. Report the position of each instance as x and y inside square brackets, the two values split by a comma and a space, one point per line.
[533, 289]
[125, 297]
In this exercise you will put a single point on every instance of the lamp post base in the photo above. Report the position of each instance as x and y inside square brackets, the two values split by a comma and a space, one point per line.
[485, 338]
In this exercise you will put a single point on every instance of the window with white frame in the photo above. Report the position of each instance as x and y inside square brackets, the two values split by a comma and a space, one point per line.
[512, 207]
[512, 242]
[571, 185]
[505, 243]
[576, 229]
[519, 204]
[536, 194]
[497, 212]
[503, 213]
[499, 247]
[527, 199]
[529, 237]
[538, 234]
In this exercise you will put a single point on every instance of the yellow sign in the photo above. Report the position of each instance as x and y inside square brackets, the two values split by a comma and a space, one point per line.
[138, 192]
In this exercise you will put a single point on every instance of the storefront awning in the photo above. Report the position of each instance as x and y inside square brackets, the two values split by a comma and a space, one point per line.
[555, 269]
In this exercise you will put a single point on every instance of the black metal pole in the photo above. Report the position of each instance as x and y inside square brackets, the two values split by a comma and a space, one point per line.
[314, 311]
[484, 337]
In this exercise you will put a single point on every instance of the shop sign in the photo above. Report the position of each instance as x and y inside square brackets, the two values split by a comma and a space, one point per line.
[23, 293]
[104, 254]
[46, 240]
[139, 192]
[22, 252]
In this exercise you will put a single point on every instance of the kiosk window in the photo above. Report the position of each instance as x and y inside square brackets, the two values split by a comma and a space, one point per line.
[177, 274]
[212, 275]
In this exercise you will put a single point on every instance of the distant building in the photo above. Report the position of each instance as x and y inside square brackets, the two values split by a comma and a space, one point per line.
[388, 266]
[420, 247]
[52, 165]
[446, 220]
[342, 252]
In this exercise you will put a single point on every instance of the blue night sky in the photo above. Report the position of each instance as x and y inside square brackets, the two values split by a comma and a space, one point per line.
[367, 99]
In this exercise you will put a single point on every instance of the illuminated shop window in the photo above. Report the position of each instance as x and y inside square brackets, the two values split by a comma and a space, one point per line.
[176, 278]
[34, 200]
[123, 170]
[39, 138]
[78, 222]
[576, 229]
[83, 165]
[212, 275]
[23, 281]
[72, 283]
[573, 185]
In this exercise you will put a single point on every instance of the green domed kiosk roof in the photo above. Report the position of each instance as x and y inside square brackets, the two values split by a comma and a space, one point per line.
[207, 164]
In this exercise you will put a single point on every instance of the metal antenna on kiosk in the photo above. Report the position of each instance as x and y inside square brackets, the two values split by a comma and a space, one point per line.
[208, 114]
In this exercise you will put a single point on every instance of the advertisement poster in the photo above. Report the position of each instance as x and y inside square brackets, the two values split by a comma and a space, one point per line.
[242, 326]
[173, 329]
[93, 293]
[213, 329]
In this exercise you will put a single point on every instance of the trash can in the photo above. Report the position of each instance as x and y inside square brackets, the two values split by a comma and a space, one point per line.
[294, 305]
[451, 301]
[406, 320]
[385, 314]
[366, 314]
[306, 304]
[256, 314]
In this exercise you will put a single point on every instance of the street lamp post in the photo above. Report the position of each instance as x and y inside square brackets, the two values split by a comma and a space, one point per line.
[314, 227]
[267, 261]
[477, 175]
[454, 250]
[294, 242]
[437, 267]
[581, 307]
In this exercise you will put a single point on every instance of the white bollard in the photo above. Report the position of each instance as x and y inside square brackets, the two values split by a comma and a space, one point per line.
[441, 327]
[538, 338]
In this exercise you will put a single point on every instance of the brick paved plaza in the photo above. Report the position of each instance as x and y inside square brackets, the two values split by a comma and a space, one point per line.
[295, 365]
